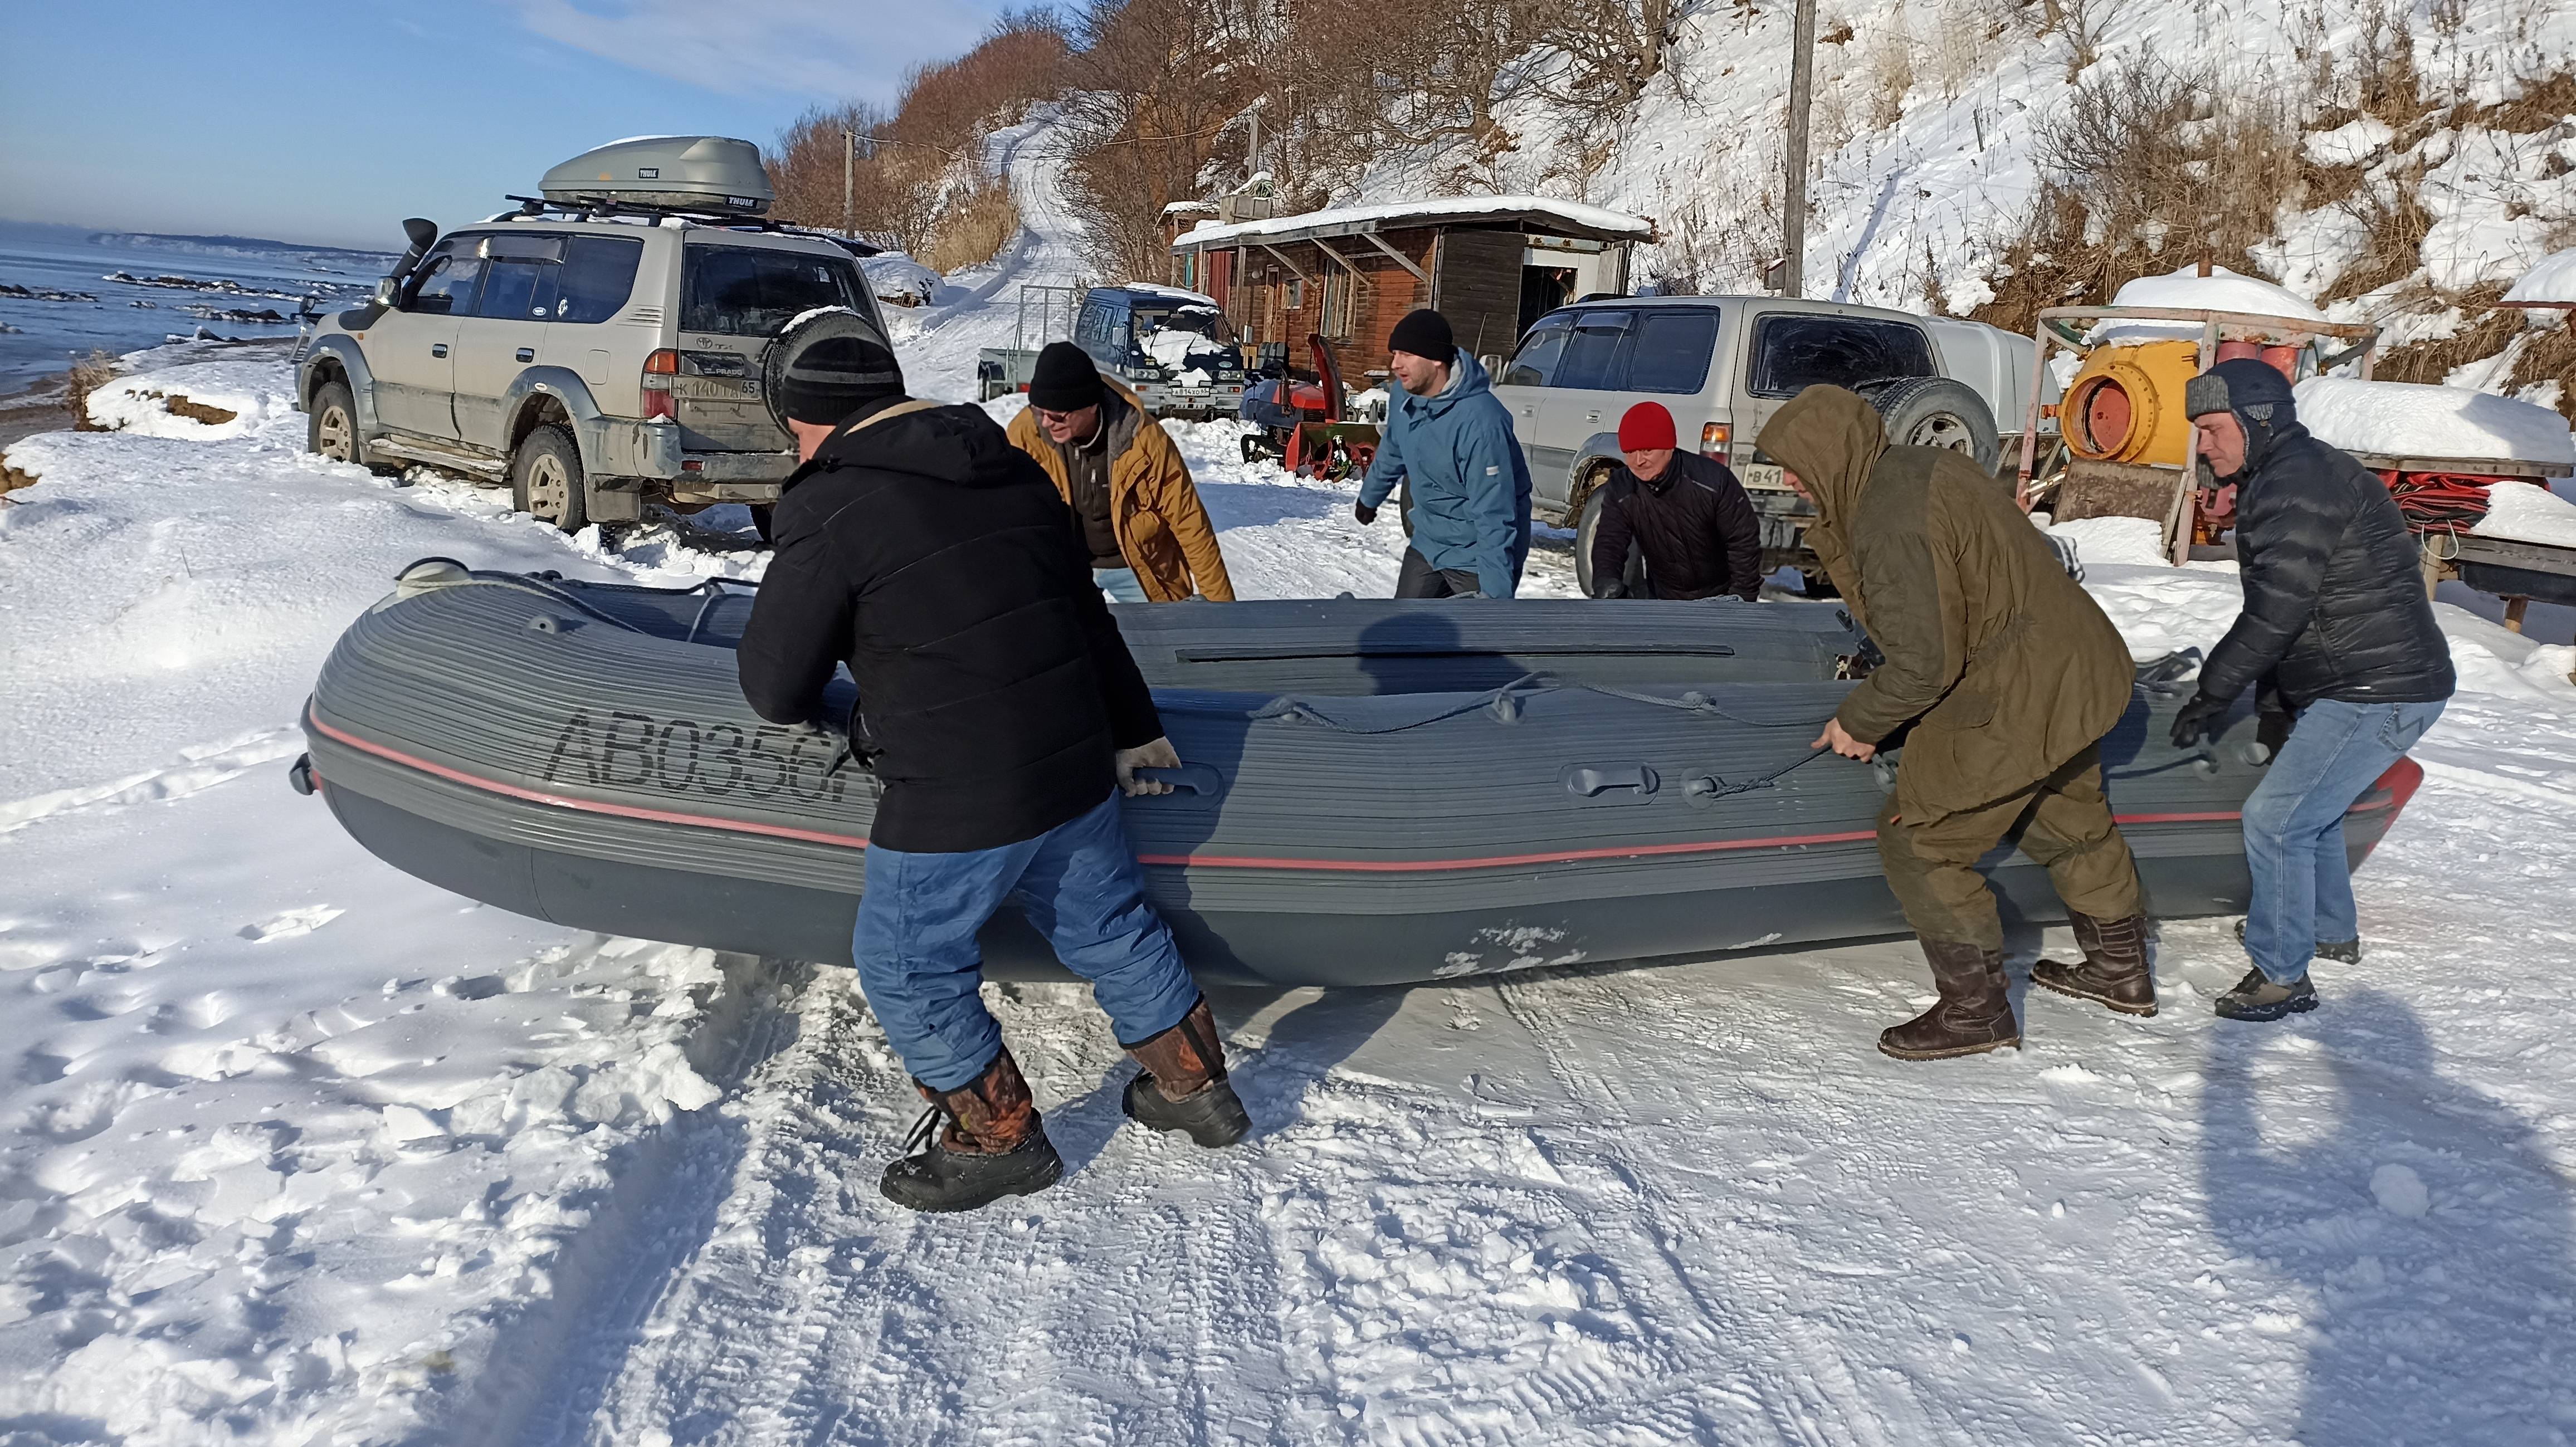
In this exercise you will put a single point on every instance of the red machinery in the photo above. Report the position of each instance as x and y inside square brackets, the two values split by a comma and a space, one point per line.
[1303, 425]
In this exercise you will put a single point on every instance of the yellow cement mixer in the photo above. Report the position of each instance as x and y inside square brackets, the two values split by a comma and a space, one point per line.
[2125, 404]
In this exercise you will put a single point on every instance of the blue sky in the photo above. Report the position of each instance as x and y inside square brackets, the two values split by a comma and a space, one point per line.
[329, 122]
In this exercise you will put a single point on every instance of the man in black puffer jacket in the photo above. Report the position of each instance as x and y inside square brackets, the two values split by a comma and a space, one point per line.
[1002, 713]
[2335, 612]
[1685, 513]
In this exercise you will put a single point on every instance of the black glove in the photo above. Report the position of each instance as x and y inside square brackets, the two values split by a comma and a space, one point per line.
[2203, 715]
[1365, 513]
[1611, 590]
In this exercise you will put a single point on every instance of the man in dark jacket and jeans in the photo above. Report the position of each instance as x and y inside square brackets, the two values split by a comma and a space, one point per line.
[1685, 513]
[2335, 612]
[1002, 713]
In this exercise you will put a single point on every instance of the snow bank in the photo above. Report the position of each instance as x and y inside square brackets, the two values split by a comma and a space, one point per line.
[2413, 420]
[898, 278]
[294, 1142]
[2529, 514]
[2349, 144]
[2553, 280]
[189, 401]
[2115, 541]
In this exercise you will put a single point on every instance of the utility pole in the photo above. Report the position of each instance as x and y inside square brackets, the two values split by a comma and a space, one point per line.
[849, 175]
[1793, 206]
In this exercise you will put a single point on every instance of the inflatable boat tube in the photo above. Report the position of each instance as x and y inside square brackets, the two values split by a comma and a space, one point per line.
[1373, 792]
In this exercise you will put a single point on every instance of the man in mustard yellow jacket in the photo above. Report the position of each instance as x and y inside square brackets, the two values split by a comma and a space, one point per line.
[1135, 511]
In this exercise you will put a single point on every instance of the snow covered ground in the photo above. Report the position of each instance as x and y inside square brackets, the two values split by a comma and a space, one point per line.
[294, 1149]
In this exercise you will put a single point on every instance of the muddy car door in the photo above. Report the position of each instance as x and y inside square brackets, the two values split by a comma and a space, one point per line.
[500, 340]
[1586, 398]
[1522, 387]
[411, 350]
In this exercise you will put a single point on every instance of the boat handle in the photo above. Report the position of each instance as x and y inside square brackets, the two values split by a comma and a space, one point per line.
[1200, 779]
[1588, 780]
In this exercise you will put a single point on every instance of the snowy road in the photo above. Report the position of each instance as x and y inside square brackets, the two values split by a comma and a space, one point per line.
[295, 1149]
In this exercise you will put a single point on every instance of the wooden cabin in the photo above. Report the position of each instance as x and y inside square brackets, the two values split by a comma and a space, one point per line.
[1490, 264]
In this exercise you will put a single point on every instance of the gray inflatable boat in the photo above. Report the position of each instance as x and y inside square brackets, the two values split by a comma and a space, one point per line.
[1373, 792]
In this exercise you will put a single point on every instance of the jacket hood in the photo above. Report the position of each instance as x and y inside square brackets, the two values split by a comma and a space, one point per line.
[959, 446]
[2258, 395]
[1467, 378]
[1832, 439]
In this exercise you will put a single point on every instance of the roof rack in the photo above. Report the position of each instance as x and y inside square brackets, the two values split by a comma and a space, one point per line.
[592, 208]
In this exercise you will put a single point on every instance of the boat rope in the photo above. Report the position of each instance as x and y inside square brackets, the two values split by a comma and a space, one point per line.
[1709, 788]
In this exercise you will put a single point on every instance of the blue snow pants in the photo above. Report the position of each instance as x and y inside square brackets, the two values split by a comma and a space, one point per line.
[1078, 884]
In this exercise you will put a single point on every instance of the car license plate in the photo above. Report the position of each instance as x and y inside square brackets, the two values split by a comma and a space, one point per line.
[1764, 474]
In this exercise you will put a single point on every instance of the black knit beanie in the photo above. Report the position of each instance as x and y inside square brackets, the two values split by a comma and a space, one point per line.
[1064, 379]
[1424, 333]
[836, 376]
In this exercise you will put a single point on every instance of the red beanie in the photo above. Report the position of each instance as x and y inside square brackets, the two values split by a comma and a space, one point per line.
[1646, 425]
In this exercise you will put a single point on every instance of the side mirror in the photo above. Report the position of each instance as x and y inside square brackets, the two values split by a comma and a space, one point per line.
[1492, 362]
[388, 292]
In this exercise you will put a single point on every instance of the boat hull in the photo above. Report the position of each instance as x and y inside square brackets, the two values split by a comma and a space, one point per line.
[500, 743]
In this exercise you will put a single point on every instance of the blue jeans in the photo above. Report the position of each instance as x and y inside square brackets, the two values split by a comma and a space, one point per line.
[1077, 883]
[1120, 584]
[2294, 826]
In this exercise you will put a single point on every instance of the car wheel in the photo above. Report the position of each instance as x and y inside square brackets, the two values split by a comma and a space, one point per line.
[332, 431]
[1938, 412]
[1585, 526]
[545, 479]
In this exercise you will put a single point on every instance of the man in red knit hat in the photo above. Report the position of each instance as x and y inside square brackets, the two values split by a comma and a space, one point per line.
[1686, 514]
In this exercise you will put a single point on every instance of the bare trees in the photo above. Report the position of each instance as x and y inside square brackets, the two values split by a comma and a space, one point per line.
[921, 161]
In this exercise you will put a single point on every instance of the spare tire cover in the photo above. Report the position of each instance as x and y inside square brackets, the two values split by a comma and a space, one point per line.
[818, 325]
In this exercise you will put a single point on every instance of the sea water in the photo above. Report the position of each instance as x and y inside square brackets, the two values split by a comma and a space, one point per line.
[50, 335]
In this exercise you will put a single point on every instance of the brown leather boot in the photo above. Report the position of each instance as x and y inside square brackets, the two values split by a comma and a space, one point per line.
[1183, 1085]
[2114, 968]
[1973, 1015]
[975, 1145]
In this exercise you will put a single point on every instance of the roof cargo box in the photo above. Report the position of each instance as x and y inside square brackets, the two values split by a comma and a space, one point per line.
[684, 173]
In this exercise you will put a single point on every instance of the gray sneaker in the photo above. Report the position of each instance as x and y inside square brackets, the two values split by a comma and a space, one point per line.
[2257, 998]
[2342, 952]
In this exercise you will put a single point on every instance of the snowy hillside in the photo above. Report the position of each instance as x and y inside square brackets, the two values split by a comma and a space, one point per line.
[296, 1149]
[1930, 153]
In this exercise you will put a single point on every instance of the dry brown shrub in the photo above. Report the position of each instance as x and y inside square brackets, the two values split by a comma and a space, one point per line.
[2541, 106]
[2484, 332]
[973, 226]
[2550, 356]
[87, 376]
[2394, 219]
[2149, 168]
[908, 156]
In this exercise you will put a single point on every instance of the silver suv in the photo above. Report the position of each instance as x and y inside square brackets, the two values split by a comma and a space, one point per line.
[1722, 365]
[597, 348]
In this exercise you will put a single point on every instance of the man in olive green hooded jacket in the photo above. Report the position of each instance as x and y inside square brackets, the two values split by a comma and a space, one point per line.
[2005, 676]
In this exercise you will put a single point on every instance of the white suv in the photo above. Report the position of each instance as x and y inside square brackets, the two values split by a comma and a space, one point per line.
[1722, 365]
[593, 349]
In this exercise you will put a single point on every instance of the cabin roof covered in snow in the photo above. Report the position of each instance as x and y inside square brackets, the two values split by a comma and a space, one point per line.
[2551, 283]
[1538, 213]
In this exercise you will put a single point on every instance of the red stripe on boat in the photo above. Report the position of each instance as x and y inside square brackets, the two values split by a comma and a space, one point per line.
[2400, 782]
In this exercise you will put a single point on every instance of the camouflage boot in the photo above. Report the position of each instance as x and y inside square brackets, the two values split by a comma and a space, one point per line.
[975, 1145]
[1183, 1085]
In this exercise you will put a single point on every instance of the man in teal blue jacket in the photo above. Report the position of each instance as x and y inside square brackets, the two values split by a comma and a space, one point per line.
[1452, 437]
